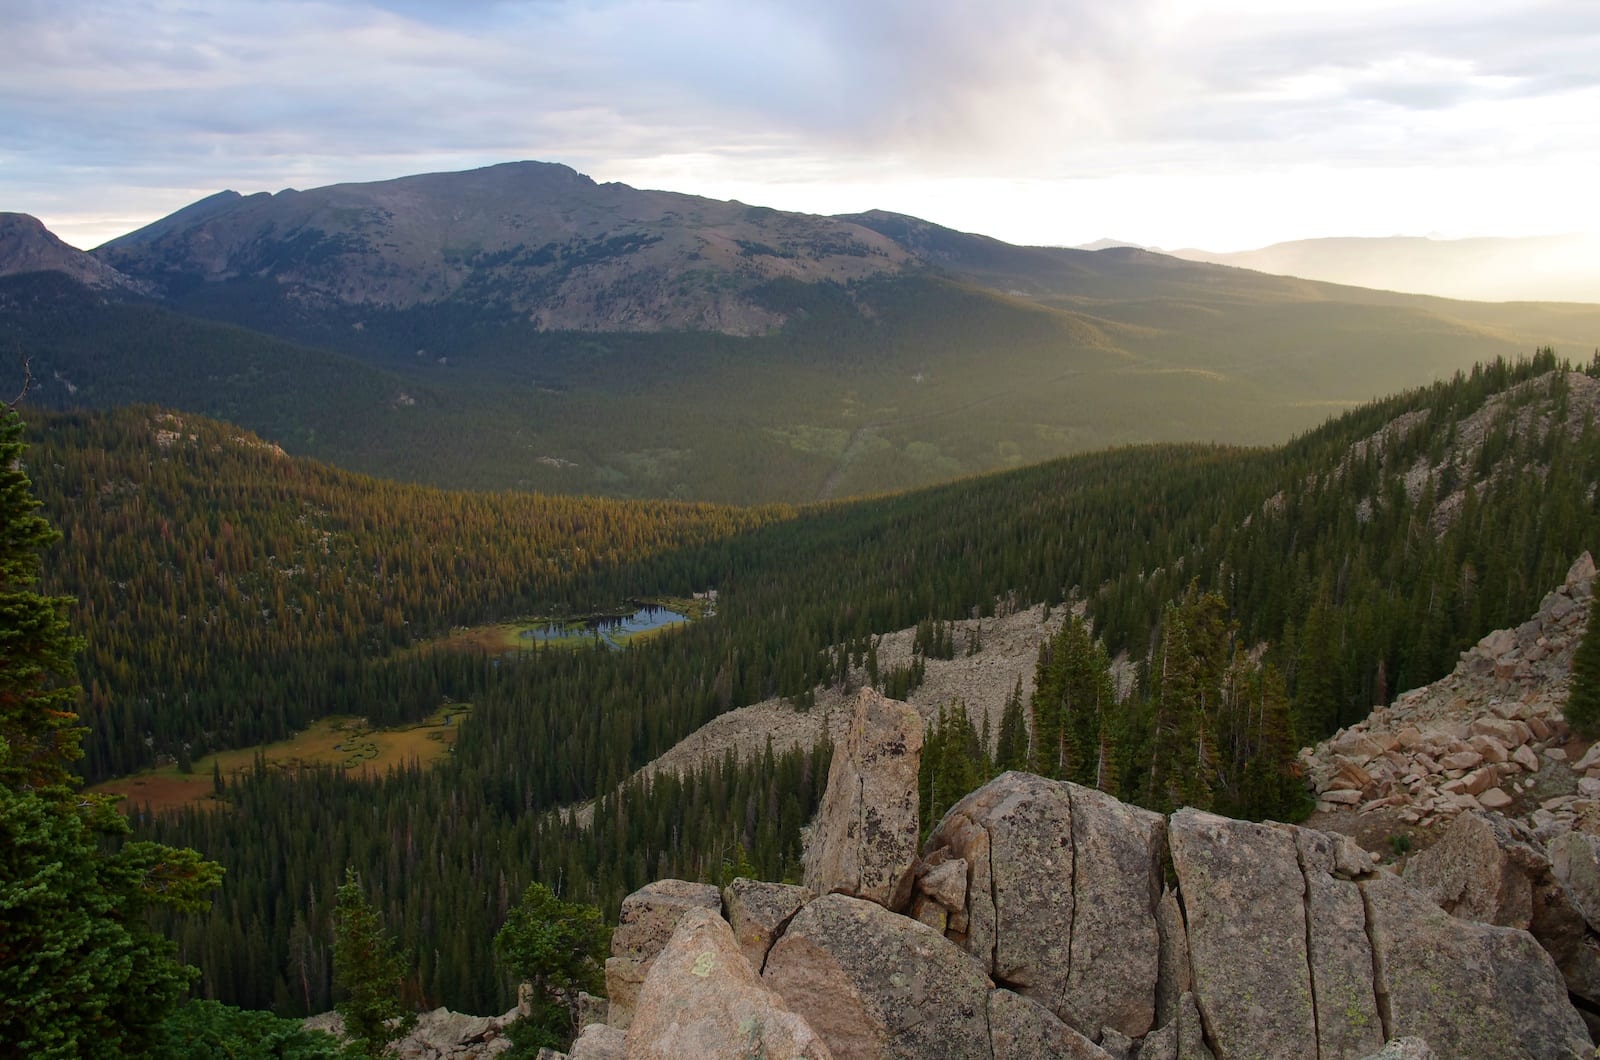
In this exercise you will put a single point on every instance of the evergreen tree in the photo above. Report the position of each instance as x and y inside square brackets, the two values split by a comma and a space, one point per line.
[559, 949]
[368, 972]
[1583, 699]
[81, 973]
[1012, 750]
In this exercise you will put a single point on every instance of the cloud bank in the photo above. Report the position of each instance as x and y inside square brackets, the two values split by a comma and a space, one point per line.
[1082, 116]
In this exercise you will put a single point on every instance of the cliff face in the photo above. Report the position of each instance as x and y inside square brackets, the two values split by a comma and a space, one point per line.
[1050, 919]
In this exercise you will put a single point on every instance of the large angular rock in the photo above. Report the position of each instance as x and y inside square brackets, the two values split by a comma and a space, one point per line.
[1483, 869]
[1490, 869]
[1348, 1021]
[758, 913]
[873, 984]
[442, 1033]
[648, 918]
[1244, 897]
[1021, 1029]
[864, 841]
[1468, 989]
[1116, 885]
[702, 999]
[600, 1042]
[1061, 899]
[1016, 832]
[1575, 862]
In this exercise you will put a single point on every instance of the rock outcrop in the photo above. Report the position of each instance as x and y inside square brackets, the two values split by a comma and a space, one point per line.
[1043, 925]
[1063, 883]
[759, 912]
[439, 1035]
[864, 841]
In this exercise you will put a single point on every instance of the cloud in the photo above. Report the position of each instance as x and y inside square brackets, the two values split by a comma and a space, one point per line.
[111, 107]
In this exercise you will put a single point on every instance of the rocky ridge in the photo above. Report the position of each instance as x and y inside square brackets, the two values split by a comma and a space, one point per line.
[1491, 735]
[26, 245]
[1050, 919]
[992, 656]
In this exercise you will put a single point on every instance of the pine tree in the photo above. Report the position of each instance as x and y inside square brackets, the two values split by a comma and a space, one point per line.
[1583, 699]
[559, 949]
[82, 974]
[368, 972]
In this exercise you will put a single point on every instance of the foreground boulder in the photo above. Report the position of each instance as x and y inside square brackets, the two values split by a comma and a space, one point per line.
[1061, 897]
[1244, 899]
[1492, 870]
[1467, 989]
[864, 841]
[702, 999]
[649, 917]
[874, 984]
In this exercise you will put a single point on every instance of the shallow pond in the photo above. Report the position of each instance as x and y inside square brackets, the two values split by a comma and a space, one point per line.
[613, 631]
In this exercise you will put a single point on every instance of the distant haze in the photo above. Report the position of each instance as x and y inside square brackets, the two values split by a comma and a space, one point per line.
[1551, 268]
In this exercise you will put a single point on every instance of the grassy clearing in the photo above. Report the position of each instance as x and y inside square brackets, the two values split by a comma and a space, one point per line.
[345, 742]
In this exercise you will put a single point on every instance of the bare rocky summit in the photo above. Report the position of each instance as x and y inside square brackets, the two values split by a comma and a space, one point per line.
[533, 238]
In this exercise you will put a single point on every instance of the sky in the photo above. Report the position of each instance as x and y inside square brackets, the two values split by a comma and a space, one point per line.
[1224, 124]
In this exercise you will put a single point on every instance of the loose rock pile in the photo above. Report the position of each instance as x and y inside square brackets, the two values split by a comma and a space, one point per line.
[1481, 737]
[1047, 919]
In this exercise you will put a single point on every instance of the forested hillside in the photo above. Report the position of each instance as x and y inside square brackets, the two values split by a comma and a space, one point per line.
[232, 594]
[1361, 558]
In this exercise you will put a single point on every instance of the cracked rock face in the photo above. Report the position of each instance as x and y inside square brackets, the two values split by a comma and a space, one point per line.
[1244, 899]
[864, 842]
[1467, 988]
[874, 984]
[1061, 899]
[1045, 925]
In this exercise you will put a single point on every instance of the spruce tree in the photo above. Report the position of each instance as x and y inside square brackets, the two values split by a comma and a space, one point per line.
[368, 972]
[1583, 697]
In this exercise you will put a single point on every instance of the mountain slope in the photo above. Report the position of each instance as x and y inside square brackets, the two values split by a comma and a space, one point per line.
[535, 330]
[528, 238]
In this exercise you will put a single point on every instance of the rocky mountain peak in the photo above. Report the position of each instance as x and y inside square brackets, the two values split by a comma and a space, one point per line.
[534, 239]
[26, 245]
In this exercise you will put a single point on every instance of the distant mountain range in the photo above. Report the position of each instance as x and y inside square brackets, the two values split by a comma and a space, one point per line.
[1563, 268]
[524, 326]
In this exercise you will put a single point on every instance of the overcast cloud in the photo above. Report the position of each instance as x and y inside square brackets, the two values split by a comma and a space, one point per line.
[1223, 124]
